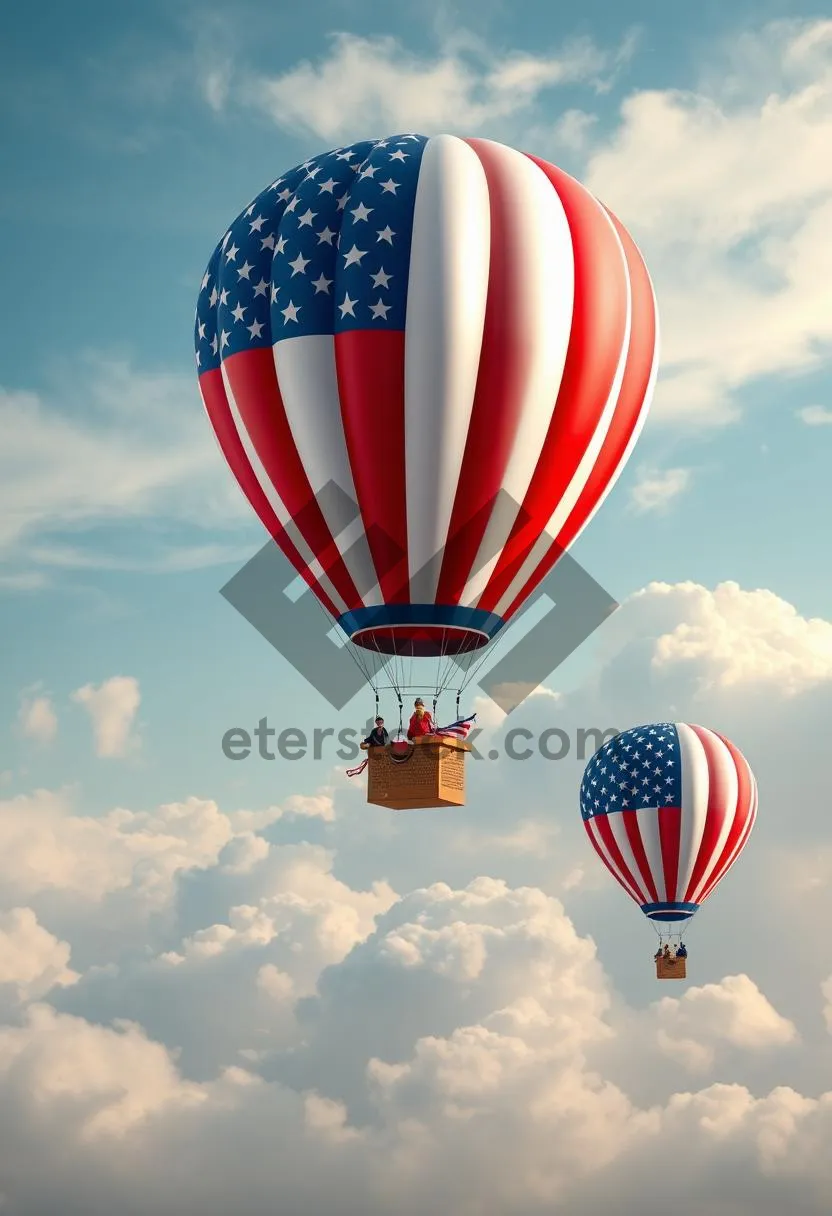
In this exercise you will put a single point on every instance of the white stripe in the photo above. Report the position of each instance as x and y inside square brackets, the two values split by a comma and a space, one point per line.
[573, 491]
[596, 836]
[447, 290]
[276, 502]
[729, 781]
[308, 381]
[695, 792]
[648, 826]
[541, 259]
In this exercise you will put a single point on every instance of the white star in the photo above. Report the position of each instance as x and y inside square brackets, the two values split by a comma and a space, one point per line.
[281, 245]
[299, 265]
[255, 329]
[345, 156]
[354, 256]
[342, 201]
[398, 155]
[250, 209]
[212, 299]
[239, 312]
[379, 310]
[390, 187]
[224, 296]
[214, 344]
[381, 143]
[387, 234]
[321, 284]
[291, 206]
[202, 329]
[232, 253]
[325, 237]
[347, 306]
[369, 171]
[274, 185]
[275, 290]
[224, 339]
[306, 219]
[290, 312]
[328, 186]
[267, 241]
[206, 280]
[361, 212]
[244, 270]
[260, 288]
[381, 279]
[313, 173]
[284, 194]
[257, 224]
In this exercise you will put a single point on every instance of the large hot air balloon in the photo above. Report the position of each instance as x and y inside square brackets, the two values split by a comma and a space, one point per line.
[455, 337]
[669, 807]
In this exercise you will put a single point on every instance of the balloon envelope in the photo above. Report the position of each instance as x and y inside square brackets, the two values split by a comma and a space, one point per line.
[668, 808]
[426, 361]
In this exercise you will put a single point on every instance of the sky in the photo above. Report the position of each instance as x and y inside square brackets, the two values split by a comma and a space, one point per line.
[223, 982]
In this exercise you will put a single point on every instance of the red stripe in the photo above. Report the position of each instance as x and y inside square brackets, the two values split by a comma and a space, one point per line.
[633, 831]
[503, 373]
[594, 351]
[606, 833]
[253, 380]
[370, 368]
[670, 831]
[219, 413]
[718, 806]
[744, 818]
[601, 854]
[631, 401]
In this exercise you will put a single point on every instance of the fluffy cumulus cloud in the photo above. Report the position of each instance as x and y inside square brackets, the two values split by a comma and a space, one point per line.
[198, 1011]
[112, 707]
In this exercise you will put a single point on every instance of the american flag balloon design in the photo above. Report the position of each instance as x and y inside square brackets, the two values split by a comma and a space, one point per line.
[457, 336]
[668, 808]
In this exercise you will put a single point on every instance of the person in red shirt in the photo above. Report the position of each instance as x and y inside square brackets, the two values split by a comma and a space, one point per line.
[421, 722]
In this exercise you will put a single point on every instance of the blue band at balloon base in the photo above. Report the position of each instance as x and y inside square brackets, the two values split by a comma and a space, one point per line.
[669, 911]
[447, 616]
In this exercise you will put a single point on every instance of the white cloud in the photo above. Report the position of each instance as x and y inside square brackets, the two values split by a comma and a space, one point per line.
[122, 445]
[737, 253]
[735, 637]
[32, 960]
[815, 415]
[365, 84]
[654, 490]
[112, 706]
[732, 1012]
[37, 718]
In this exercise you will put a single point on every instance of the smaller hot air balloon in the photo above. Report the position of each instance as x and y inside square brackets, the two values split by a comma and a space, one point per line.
[668, 808]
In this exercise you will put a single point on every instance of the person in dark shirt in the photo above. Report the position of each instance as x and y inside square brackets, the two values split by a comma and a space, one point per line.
[378, 736]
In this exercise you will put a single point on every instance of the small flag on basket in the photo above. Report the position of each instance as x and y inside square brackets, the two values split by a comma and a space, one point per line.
[458, 729]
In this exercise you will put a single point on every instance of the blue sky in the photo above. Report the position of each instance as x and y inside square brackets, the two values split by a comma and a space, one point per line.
[257, 916]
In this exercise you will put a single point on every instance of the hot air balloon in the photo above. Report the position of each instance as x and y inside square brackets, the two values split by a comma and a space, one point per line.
[426, 362]
[668, 808]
